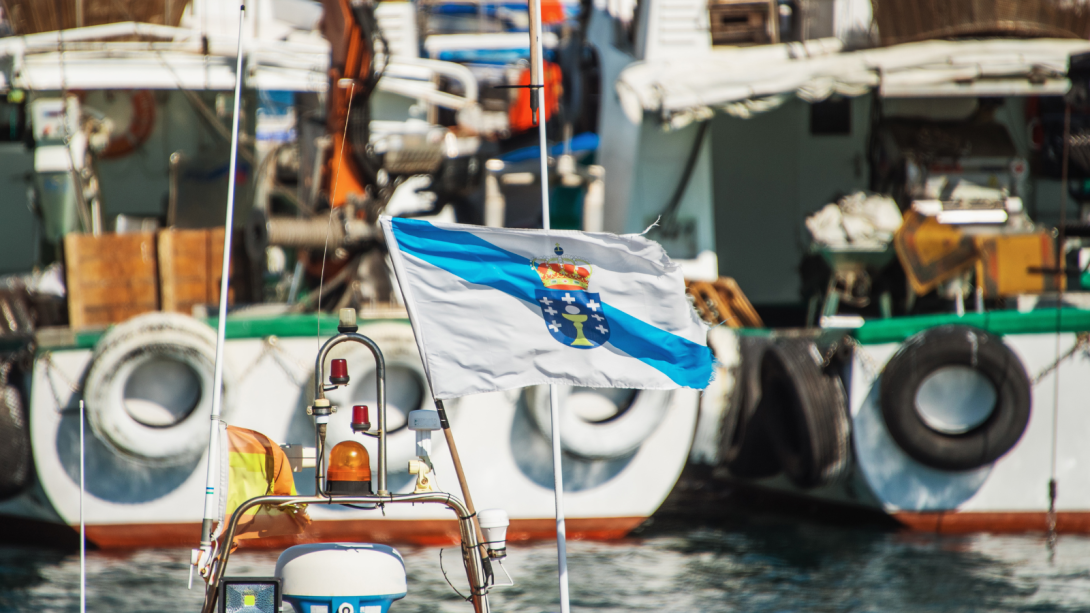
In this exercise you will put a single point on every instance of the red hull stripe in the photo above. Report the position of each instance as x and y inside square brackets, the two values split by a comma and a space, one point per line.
[1000, 522]
[414, 532]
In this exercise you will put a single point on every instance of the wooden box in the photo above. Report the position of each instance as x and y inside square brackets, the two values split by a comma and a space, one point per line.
[190, 263]
[110, 277]
[1014, 264]
[743, 23]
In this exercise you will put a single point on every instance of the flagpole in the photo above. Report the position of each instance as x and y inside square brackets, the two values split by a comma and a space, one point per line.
[537, 85]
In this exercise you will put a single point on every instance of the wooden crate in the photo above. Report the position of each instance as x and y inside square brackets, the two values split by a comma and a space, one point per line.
[743, 23]
[1015, 264]
[110, 277]
[190, 263]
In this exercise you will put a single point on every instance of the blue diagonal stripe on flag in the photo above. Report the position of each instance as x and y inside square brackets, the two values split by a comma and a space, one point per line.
[686, 363]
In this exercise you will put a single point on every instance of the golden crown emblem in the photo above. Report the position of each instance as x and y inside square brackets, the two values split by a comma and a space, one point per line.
[562, 272]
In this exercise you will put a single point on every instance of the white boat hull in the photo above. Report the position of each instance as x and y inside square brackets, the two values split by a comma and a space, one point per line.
[129, 504]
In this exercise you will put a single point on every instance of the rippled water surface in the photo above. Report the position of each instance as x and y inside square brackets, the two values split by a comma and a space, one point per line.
[790, 567]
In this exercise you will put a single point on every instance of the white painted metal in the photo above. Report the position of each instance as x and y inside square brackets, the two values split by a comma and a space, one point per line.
[955, 399]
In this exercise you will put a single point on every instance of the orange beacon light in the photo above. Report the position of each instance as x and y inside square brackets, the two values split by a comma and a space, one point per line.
[349, 471]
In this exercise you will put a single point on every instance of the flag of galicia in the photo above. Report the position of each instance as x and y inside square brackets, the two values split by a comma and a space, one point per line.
[497, 309]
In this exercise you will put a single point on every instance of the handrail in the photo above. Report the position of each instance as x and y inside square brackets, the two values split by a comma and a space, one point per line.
[470, 546]
[380, 384]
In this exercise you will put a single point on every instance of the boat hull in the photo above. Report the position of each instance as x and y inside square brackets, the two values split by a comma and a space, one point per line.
[504, 451]
[1009, 495]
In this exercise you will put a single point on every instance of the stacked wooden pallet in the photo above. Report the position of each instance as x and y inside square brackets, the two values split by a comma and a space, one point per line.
[112, 277]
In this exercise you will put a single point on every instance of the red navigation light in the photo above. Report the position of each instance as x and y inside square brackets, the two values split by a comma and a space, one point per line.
[338, 372]
[349, 469]
[360, 421]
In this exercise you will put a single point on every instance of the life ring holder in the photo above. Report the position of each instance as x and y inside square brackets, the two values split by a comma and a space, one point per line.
[613, 438]
[955, 346]
[138, 130]
[148, 341]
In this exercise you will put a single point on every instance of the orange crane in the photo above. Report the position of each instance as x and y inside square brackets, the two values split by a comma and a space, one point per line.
[352, 31]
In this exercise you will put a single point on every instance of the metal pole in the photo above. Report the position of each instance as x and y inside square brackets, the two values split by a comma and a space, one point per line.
[537, 82]
[221, 331]
[82, 523]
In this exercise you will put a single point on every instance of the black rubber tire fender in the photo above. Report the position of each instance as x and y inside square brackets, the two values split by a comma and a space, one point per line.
[745, 448]
[955, 345]
[15, 457]
[810, 429]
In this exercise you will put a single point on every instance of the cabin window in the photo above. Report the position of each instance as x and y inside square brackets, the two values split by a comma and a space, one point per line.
[832, 117]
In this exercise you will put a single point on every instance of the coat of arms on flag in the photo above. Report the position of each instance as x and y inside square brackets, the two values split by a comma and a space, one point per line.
[572, 315]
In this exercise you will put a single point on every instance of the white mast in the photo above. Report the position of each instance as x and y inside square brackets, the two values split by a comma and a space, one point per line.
[537, 85]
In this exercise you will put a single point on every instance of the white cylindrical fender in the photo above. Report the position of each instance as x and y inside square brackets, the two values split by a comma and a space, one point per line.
[406, 390]
[149, 387]
[594, 425]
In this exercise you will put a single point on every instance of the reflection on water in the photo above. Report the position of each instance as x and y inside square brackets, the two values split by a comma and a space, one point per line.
[787, 567]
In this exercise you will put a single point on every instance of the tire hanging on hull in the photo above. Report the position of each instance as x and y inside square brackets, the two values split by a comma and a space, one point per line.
[947, 348]
[149, 388]
[808, 410]
[745, 448]
[15, 456]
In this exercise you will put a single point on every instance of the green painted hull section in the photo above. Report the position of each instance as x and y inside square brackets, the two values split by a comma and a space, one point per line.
[284, 326]
[1044, 321]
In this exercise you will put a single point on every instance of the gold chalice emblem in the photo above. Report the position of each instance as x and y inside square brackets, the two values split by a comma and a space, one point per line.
[577, 321]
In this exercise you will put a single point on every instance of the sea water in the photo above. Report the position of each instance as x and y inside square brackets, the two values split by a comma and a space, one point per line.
[783, 567]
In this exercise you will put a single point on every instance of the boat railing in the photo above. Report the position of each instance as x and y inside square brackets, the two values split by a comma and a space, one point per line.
[470, 547]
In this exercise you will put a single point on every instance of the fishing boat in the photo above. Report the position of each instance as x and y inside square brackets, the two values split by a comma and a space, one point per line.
[918, 349]
[136, 344]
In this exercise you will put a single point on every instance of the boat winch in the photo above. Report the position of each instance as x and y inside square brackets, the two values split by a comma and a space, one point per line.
[341, 577]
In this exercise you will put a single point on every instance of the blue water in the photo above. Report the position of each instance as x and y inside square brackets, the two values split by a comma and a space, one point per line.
[788, 567]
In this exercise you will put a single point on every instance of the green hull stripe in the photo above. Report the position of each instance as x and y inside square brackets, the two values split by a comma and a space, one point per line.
[1044, 321]
[284, 326]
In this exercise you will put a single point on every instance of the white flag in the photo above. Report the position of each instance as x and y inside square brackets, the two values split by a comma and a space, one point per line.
[496, 308]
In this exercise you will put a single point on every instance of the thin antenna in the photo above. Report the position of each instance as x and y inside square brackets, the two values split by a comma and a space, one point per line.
[82, 523]
[211, 479]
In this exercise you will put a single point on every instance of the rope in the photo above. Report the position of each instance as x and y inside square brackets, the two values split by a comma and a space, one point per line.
[329, 224]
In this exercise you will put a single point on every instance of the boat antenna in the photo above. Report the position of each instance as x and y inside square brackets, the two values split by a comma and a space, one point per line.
[202, 556]
[82, 522]
[537, 84]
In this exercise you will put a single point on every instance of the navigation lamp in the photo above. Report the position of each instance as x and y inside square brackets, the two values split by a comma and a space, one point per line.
[249, 595]
[347, 321]
[338, 372]
[349, 471]
[494, 524]
[360, 421]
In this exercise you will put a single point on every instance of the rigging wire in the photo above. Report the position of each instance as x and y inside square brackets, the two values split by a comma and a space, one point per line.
[329, 225]
[1060, 279]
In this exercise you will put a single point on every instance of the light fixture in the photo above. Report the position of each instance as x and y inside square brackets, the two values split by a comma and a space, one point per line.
[249, 595]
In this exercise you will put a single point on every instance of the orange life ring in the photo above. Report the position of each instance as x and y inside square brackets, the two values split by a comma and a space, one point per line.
[140, 127]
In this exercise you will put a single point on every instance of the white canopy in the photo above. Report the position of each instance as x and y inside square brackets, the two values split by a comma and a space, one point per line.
[743, 81]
